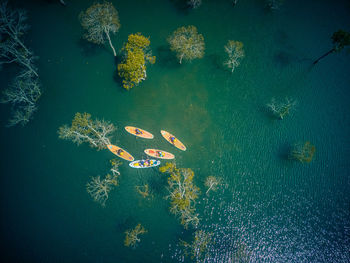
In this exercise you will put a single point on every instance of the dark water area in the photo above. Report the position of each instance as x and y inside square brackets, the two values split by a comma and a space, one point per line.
[282, 210]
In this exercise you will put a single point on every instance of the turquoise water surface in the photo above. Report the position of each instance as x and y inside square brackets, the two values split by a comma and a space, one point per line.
[279, 209]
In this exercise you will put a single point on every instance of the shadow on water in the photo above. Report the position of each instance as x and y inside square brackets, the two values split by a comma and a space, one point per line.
[156, 184]
[216, 61]
[125, 223]
[117, 60]
[56, 2]
[166, 58]
[266, 113]
[181, 6]
[89, 49]
[283, 152]
[283, 58]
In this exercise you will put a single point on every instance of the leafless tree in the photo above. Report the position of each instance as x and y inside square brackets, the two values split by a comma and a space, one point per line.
[194, 3]
[235, 53]
[12, 49]
[23, 94]
[281, 109]
[99, 21]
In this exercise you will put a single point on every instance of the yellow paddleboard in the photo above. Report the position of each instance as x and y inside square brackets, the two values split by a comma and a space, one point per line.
[159, 154]
[139, 132]
[120, 152]
[176, 142]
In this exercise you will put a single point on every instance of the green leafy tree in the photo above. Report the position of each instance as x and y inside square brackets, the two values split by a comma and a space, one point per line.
[198, 248]
[341, 39]
[132, 235]
[281, 109]
[182, 194]
[303, 152]
[136, 53]
[187, 43]
[84, 129]
[235, 53]
[99, 21]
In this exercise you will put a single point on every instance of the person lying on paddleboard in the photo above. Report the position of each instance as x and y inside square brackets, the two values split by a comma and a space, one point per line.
[146, 163]
[137, 131]
[120, 152]
[172, 139]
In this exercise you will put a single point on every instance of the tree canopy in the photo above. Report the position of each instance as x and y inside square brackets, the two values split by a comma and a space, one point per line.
[99, 20]
[235, 52]
[340, 39]
[187, 43]
[132, 235]
[303, 152]
[183, 193]
[136, 53]
[84, 129]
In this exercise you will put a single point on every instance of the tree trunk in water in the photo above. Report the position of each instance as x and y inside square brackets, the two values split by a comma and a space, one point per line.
[110, 43]
[329, 52]
[181, 58]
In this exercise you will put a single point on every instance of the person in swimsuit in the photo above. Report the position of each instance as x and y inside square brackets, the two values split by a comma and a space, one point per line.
[160, 154]
[120, 152]
[172, 139]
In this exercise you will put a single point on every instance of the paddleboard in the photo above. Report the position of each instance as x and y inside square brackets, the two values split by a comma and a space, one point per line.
[176, 143]
[142, 133]
[144, 163]
[120, 152]
[159, 154]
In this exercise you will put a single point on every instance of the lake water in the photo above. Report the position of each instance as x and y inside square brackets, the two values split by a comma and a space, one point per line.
[280, 210]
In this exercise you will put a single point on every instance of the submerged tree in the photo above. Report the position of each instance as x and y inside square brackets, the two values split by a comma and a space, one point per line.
[340, 40]
[115, 166]
[183, 194]
[132, 235]
[24, 91]
[281, 109]
[274, 4]
[212, 183]
[194, 3]
[12, 48]
[143, 190]
[84, 129]
[198, 248]
[303, 152]
[242, 253]
[187, 43]
[23, 94]
[235, 53]
[234, 2]
[99, 21]
[136, 53]
[99, 189]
